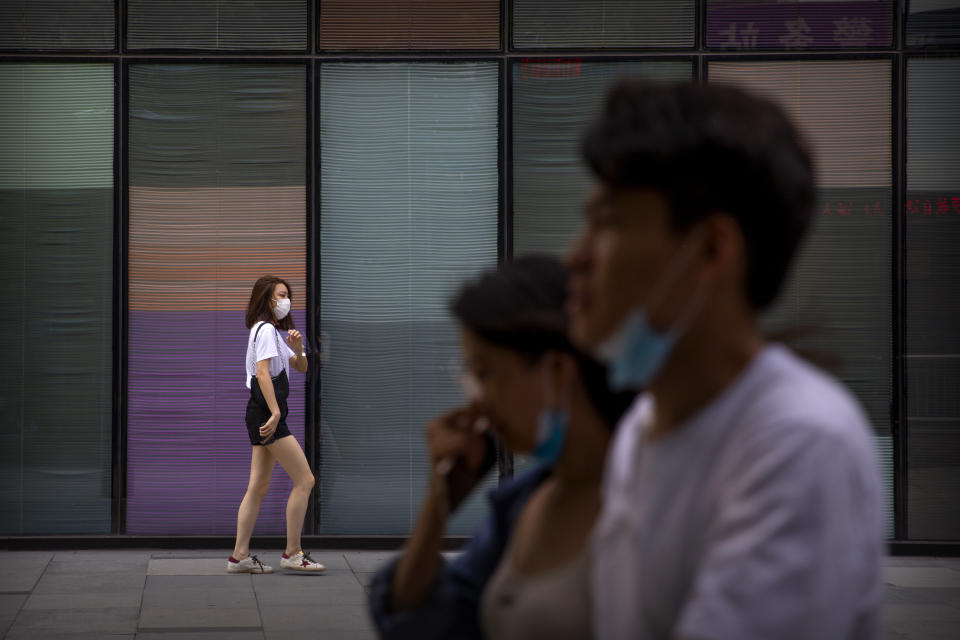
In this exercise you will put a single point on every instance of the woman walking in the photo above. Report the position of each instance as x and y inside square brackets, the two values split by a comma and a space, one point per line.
[268, 360]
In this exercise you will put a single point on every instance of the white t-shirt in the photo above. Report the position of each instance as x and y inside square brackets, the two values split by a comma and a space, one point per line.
[269, 345]
[759, 518]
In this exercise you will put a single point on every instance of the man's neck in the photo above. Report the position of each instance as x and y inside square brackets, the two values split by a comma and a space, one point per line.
[581, 464]
[701, 368]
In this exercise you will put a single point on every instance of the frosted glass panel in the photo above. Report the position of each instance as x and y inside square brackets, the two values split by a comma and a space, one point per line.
[409, 190]
[56, 255]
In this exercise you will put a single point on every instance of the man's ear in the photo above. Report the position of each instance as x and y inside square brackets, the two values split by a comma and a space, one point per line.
[723, 250]
[563, 368]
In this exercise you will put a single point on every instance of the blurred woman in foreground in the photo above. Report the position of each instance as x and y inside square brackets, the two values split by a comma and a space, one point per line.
[524, 573]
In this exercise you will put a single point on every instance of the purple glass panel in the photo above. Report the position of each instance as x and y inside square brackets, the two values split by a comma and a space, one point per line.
[189, 454]
[763, 24]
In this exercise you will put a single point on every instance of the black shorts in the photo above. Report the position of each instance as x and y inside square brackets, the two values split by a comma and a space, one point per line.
[256, 439]
[258, 412]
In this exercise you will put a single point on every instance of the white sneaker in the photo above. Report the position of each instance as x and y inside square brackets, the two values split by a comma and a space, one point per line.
[250, 564]
[301, 562]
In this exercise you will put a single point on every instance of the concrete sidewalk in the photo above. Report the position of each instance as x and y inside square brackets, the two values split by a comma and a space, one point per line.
[181, 595]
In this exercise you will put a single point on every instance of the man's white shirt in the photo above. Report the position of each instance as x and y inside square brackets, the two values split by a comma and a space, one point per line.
[758, 518]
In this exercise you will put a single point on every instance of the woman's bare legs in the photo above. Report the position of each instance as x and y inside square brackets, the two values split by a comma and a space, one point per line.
[288, 453]
[261, 466]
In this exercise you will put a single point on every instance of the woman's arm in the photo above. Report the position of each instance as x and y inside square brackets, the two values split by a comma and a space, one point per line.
[449, 607]
[295, 342]
[266, 388]
[299, 362]
[450, 438]
[420, 560]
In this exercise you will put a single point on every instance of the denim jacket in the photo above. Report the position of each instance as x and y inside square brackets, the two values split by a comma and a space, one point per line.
[451, 608]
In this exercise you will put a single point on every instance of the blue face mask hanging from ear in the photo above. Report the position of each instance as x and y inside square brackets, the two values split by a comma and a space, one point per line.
[551, 435]
[552, 427]
[636, 352]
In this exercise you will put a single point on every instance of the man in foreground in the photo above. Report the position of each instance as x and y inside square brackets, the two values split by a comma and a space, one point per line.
[742, 497]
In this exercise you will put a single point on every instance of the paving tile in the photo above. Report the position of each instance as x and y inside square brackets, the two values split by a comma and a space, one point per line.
[156, 618]
[318, 618]
[98, 583]
[365, 634]
[290, 580]
[98, 561]
[922, 577]
[951, 563]
[365, 578]
[22, 569]
[187, 567]
[239, 582]
[313, 594]
[90, 600]
[295, 578]
[10, 604]
[6, 619]
[59, 635]
[942, 595]
[193, 553]
[310, 597]
[896, 613]
[368, 561]
[922, 630]
[198, 598]
[94, 567]
[922, 595]
[326, 634]
[230, 634]
[35, 624]
[904, 595]
[916, 561]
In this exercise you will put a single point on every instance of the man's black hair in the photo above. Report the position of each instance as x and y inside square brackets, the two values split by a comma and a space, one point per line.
[711, 148]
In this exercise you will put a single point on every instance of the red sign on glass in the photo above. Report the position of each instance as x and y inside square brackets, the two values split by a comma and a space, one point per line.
[549, 67]
[932, 207]
[912, 207]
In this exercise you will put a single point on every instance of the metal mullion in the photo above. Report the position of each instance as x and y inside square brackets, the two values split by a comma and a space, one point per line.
[312, 404]
[313, 35]
[700, 25]
[119, 25]
[121, 274]
[505, 459]
[506, 25]
[317, 287]
[898, 424]
[505, 135]
[700, 35]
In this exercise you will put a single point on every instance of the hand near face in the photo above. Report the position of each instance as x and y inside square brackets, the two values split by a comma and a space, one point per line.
[295, 341]
[458, 435]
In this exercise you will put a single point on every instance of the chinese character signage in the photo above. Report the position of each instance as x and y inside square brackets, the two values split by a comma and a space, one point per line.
[915, 206]
[854, 24]
[931, 206]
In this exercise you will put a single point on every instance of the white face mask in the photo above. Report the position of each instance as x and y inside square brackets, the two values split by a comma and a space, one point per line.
[282, 308]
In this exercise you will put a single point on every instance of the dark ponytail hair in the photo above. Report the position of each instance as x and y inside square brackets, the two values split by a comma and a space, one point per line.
[521, 306]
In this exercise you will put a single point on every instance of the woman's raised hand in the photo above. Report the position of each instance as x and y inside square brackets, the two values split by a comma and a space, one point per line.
[295, 341]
